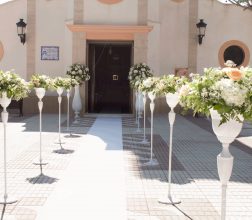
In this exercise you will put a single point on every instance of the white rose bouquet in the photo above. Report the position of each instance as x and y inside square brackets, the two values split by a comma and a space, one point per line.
[227, 90]
[138, 73]
[170, 84]
[40, 81]
[79, 72]
[150, 85]
[66, 83]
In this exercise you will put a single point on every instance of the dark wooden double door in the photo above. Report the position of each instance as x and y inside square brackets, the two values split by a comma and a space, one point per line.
[108, 89]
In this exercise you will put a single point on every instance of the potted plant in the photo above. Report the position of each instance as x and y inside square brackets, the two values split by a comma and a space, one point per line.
[169, 85]
[149, 86]
[80, 73]
[40, 83]
[226, 95]
[137, 74]
[68, 84]
[11, 87]
[59, 84]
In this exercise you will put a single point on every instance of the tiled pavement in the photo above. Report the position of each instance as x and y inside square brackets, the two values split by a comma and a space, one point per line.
[24, 180]
[194, 173]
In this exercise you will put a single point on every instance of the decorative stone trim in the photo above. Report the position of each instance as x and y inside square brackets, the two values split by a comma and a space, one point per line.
[177, 1]
[109, 2]
[109, 32]
[1, 50]
[234, 43]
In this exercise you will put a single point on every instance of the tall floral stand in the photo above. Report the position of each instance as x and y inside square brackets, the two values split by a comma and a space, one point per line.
[68, 114]
[172, 100]
[139, 110]
[60, 91]
[76, 104]
[226, 133]
[40, 92]
[144, 141]
[136, 105]
[4, 102]
[152, 161]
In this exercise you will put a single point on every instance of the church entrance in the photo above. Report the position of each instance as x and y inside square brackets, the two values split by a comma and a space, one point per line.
[108, 88]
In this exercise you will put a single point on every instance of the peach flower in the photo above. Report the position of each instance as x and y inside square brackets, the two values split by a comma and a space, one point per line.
[234, 74]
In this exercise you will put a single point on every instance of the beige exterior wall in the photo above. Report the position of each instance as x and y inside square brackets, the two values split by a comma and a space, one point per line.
[224, 23]
[173, 36]
[171, 44]
[14, 56]
[124, 12]
[50, 31]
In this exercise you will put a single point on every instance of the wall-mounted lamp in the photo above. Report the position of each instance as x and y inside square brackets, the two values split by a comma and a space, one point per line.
[21, 26]
[202, 28]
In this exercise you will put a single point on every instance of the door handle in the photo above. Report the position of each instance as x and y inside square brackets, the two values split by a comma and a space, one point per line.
[115, 77]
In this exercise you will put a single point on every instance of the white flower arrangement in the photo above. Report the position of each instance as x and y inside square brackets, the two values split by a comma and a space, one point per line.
[227, 90]
[150, 85]
[40, 81]
[170, 84]
[14, 86]
[138, 73]
[66, 83]
[79, 72]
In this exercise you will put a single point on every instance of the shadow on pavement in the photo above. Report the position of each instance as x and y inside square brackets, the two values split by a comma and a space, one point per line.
[42, 179]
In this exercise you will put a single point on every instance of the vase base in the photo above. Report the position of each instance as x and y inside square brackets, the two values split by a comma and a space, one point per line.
[169, 200]
[8, 201]
[40, 163]
[152, 162]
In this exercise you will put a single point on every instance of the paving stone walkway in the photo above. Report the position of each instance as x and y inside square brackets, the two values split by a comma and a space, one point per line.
[194, 173]
[24, 180]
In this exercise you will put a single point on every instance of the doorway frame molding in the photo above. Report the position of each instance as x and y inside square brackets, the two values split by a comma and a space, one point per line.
[110, 32]
[87, 32]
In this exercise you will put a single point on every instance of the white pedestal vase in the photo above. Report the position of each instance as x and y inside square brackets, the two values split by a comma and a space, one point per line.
[76, 104]
[60, 91]
[40, 92]
[226, 134]
[136, 105]
[139, 110]
[172, 100]
[68, 114]
[152, 161]
[4, 102]
[144, 141]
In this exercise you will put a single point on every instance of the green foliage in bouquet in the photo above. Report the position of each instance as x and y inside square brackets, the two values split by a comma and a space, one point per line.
[150, 85]
[66, 83]
[170, 84]
[40, 81]
[79, 72]
[138, 73]
[14, 86]
[227, 90]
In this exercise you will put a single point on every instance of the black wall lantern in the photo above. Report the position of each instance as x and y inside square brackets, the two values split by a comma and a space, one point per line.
[202, 28]
[21, 26]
